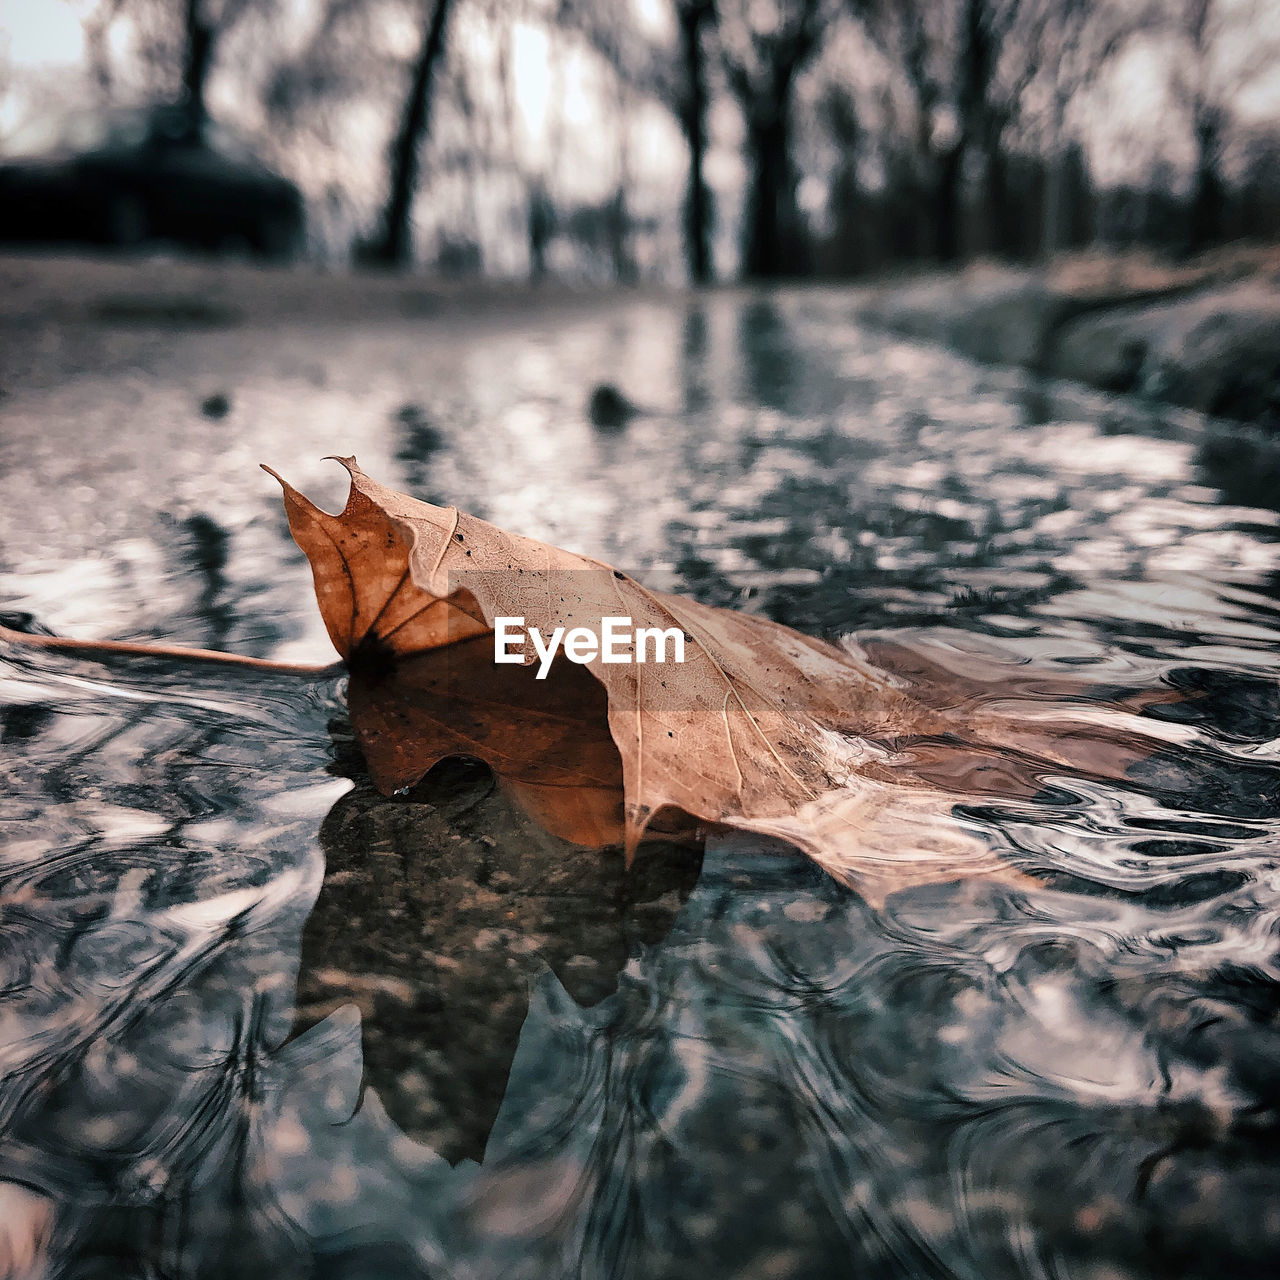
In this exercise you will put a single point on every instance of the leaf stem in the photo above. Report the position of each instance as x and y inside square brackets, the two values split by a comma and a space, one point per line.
[177, 652]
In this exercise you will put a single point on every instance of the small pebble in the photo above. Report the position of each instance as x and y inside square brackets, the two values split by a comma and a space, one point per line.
[608, 408]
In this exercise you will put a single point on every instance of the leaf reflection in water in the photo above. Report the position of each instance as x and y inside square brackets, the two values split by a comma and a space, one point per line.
[439, 910]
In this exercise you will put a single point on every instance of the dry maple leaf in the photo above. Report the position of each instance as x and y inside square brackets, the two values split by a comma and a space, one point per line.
[761, 728]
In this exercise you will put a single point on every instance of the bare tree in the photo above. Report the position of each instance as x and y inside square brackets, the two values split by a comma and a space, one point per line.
[1078, 44]
[969, 64]
[694, 17]
[200, 45]
[681, 83]
[1208, 75]
[999, 56]
[763, 48]
[641, 69]
[179, 41]
[393, 242]
[917, 38]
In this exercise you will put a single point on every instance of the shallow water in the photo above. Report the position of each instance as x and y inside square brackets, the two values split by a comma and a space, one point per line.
[214, 931]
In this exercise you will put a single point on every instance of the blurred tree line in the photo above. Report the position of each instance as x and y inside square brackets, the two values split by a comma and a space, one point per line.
[845, 136]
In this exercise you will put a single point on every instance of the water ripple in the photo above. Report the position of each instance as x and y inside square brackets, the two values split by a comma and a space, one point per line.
[256, 1019]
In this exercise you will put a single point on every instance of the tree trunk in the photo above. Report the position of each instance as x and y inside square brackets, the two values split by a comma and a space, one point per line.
[697, 209]
[1207, 197]
[541, 227]
[394, 243]
[773, 246]
[948, 208]
[1051, 207]
[197, 59]
[618, 222]
[1051, 232]
[974, 69]
[1001, 231]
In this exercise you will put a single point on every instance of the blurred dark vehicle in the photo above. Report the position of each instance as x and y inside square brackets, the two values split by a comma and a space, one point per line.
[124, 178]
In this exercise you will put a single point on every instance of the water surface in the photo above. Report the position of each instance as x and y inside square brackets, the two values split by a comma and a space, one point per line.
[255, 1015]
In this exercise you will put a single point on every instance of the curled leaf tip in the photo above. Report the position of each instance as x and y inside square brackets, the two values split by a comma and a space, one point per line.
[350, 463]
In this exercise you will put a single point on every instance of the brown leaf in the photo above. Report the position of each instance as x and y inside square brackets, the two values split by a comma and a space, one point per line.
[761, 728]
